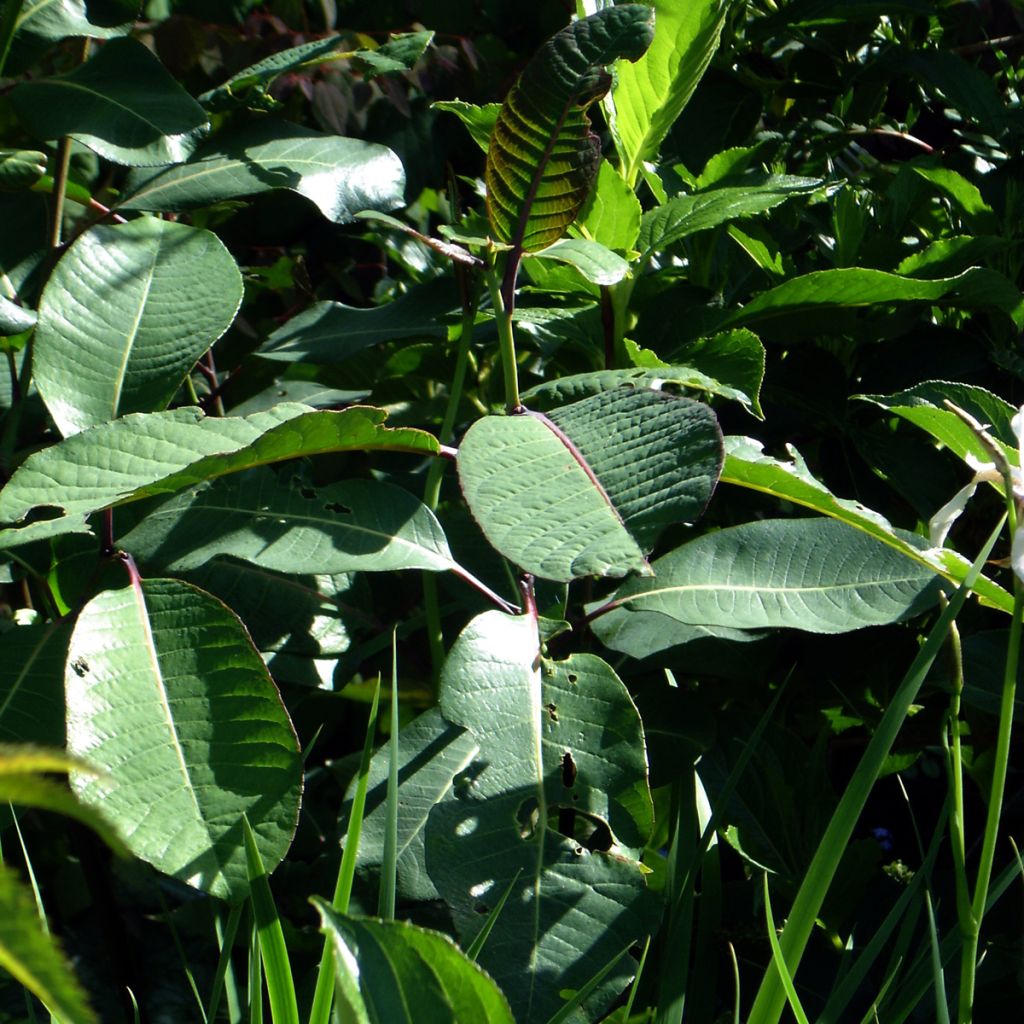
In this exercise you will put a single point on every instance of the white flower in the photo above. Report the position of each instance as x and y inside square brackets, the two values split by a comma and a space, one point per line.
[942, 521]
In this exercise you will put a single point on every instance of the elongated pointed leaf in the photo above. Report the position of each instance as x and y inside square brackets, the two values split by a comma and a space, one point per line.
[650, 94]
[140, 455]
[392, 972]
[121, 103]
[167, 697]
[297, 528]
[552, 735]
[340, 176]
[126, 314]
[811, 574]
[34, 958]
[543, 158]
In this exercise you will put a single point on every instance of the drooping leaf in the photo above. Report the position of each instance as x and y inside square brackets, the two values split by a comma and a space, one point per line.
[596, 262]
[296, 527]
[812, 574]
[479, 120]
[167, 697]
[340, 176]
[144, 454]
[553, 736]
[686, 215]
[392, 972]
[329, 332]
[32, 684]
[588, 488]
[849, 287]
[399, 53]
[34, 958]
[433, 754]
[20, 168]
[542, 159]
[14, 319]
[125, 315]
[53, 20]
[122, 103]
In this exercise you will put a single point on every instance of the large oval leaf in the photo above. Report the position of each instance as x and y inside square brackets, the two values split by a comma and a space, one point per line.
[122, 103]
[168, 698]
[814, 574]
[542, 159]
[340, 176]
[126, 314]
[391, 972]
[553, 737]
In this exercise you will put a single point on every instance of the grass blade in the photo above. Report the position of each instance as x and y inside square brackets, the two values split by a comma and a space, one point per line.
[938, 975]
[582, 993]
[780, 961]
[223, 976]
[473, 951]
[389, 867]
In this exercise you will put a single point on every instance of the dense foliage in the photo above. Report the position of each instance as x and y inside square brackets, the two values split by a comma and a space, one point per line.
[510, 513]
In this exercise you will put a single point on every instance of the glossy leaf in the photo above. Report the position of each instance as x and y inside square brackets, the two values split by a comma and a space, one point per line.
[14, 319]
[686, 215]
[167, 697]
[329, 332]
[293, 526]
[340, 176]
[542, 159]
[21, 168]
[121, 103]
[53, 20]
[34, 958]
[594, 261]
[812, 574]
[392, 972]
[650, 94]
[126, 314]
[551, 734]
[849, 287]
[399, 53]
[144, 454]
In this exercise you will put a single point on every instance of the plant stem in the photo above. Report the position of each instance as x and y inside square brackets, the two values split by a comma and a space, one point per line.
[969, 952]
[503, 301]
[60, 181]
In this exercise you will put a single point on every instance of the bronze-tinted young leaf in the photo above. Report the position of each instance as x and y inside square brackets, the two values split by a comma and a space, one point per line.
[543, 158]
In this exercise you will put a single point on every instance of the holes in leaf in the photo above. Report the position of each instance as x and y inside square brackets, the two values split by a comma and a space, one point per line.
[572, 677]
[552, 710]
[528, 818]
[308, 493]
[335, 506]
[568, 770]
[482, 908]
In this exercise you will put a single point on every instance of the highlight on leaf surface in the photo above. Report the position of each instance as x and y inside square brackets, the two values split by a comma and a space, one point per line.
[543, 157]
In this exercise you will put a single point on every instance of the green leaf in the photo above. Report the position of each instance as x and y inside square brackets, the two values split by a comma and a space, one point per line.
[399, 53]
[14, 319]
[641, 634]
[53, 20]
[293, 526]
[32, 684]
[611, 215]
[849, 287]
[432, 754]
[20, 168]
[392, 972]
[478, 119]
[553, 736]
[125, 315]
[34, 958]
[329, 332]
[651, 94]
[122, 103]
[964, 195]
[587, 490]
[594, 261]
[812, 574]
[167, 697]
[543, 158]
[144, 454]
[700, 211]
[747, 465]
[340, 176]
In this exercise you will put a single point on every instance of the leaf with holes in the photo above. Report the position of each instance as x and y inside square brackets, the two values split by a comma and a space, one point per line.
[587, 489]
[169, 700]
[543, 158]
[559, 742]
[126, 314]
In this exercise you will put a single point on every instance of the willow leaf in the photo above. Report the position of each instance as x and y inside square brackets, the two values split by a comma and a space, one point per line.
[543, 158]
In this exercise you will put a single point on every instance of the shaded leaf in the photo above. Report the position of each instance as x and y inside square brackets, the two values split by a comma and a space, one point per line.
[21, 168]
[167, 697]
[144, 454]
[812, 574]
[392, 972]
[14, 319]
[122, 103]
[479, 120]
[53, 20]
[125, 315]
[32, 684]
[340, 176]
[542, 159]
